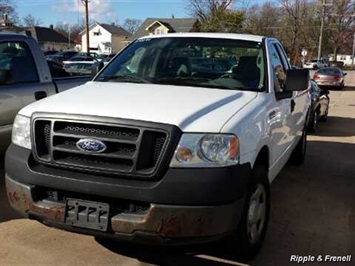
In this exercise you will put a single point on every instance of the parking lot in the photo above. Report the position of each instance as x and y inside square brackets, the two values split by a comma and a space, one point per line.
[313, 213]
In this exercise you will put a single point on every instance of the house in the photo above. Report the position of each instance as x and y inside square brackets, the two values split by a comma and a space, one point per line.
[153, 26]
[49, 39]
[105, 38]
[346, 59]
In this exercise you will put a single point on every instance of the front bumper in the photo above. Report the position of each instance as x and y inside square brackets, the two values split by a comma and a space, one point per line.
[185, 206]
[160, 224]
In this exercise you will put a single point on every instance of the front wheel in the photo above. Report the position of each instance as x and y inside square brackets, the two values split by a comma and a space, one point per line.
[245, 243]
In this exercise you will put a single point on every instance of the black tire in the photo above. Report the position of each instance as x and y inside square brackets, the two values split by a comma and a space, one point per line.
[313, 122]
[242, 244]
[298, 155]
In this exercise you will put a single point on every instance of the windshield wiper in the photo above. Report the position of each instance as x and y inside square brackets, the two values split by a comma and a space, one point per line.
[122, 77]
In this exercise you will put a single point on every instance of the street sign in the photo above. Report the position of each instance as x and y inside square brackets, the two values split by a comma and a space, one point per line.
[304, 52]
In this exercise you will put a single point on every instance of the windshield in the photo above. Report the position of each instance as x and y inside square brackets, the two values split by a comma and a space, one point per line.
[190, 61]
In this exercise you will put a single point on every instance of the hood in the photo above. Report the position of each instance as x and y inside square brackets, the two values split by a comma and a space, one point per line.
[192, 109]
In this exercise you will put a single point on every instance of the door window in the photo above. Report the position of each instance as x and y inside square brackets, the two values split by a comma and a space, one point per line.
[16, 64]
[278, 69]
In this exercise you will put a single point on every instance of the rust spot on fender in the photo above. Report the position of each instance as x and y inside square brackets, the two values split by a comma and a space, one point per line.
[13, 197]
[170, 227]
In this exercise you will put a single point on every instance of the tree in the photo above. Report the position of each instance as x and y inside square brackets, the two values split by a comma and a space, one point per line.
[204, 10]
[216, 15]
[340, 19]
[263, 20]
[7, 7]
[132, 25]
[31, 21]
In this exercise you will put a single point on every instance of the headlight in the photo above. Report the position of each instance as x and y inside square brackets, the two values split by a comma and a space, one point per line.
[206, 150]
[21, 132]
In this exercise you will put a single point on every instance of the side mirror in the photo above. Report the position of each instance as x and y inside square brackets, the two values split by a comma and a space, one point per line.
[344, 74]
[96, 68]
[297, 80]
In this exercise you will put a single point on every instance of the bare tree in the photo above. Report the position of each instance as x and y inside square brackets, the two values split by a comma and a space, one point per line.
[341, 25]
[31, 21]
[295, 13]
[132, 25]
[8, 8]
[263, 20]
[205, 9]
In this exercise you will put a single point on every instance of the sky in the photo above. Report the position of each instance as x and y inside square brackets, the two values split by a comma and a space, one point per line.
[104, 11]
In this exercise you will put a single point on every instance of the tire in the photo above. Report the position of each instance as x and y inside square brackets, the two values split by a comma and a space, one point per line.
[313, 123]
[246, 241]
[298, 155]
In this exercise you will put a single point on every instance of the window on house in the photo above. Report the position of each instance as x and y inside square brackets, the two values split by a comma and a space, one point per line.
[343, 57]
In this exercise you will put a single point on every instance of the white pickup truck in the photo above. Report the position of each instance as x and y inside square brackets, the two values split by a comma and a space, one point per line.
[175, 141]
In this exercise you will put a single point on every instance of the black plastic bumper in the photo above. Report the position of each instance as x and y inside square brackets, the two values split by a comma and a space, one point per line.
[186, 206]
[185, 186]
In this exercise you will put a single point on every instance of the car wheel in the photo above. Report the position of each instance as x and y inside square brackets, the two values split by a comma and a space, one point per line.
[247, 240]
[312, 125]
[299, 153]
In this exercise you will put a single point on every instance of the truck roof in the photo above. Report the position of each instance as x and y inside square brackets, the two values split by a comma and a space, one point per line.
[235, 36]
[9, 34]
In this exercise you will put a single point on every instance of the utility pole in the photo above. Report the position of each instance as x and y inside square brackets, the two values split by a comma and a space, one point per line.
[353, 53]
[321, 31]
[86, 3]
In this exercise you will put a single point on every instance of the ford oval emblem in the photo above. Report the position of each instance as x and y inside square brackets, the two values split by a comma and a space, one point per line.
[91, 145]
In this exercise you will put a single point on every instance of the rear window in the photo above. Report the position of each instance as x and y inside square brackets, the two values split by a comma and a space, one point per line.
[329, 71]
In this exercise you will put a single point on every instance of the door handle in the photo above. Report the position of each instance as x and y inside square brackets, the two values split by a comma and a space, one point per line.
[293, 104]
[40, 95]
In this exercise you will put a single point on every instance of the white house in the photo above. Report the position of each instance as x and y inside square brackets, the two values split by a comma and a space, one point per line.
[347, 59]
[105, 38]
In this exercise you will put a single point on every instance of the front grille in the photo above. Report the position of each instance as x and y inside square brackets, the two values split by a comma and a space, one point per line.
[129, 149]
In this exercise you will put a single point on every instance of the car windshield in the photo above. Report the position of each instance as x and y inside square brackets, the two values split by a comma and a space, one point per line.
[190, 61]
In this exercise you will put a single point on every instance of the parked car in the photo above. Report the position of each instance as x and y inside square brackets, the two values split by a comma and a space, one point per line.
[50, 52]
[78, 68]
[61, 56]
[330, 77]
[319, 106]
[25, 77]
[315, 64]
[80, 59]
[56, 69]
[152, 153]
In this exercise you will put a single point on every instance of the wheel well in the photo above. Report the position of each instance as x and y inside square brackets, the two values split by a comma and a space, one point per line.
[263, 157]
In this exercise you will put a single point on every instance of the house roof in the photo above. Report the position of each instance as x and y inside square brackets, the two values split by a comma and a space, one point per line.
[42, 34]
[173, 24]
[113, 29]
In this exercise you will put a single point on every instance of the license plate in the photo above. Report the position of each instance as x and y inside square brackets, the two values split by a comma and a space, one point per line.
[87, 214]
